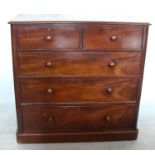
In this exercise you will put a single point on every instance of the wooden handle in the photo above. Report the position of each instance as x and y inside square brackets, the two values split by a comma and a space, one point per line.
[112, 64]
[109, 90]
[48, 38]
[108, 118]
[50, 119]
[48, 64]
[113, 38]
[49, 91]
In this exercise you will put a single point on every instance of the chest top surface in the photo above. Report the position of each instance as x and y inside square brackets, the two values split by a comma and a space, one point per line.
[60, 18]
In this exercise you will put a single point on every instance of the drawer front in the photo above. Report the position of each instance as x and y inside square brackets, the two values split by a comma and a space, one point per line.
[79, 63]
[60, 119]
[48, 90]
[118, 38]
[35, 37]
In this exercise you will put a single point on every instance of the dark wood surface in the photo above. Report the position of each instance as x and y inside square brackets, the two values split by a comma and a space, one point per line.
[79, 63]
[49, 37]
[120, 135]
[77, 118]
[114, 37]
[78, 89]
[78, 81]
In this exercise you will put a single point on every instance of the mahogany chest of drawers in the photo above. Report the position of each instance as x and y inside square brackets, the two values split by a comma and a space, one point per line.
[77, 80]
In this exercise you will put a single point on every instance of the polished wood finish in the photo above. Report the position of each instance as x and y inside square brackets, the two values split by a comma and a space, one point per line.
[77, 118]
[77, 136]
[79, 63]
[77, 80]
[47, 37]
[114, 38]
[48, 90]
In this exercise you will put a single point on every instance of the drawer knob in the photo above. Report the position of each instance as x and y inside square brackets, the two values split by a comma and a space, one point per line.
[108, 119]
[50, 120]
[112, 64]
[48, 38]
[49, 64]
[109, 90]
[113, 38]
[49, 91]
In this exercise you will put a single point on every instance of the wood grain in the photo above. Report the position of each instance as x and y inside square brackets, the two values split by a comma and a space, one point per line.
[101, 38]
[79, 63]
[118, 135]
[78, 89]
[77, 80]
[60, 119]
[34, 37]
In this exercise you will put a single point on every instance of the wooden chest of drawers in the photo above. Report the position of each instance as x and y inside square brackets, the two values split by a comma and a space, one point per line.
[77, 80]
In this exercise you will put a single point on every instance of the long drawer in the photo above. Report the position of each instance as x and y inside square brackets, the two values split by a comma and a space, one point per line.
[82, 118]
[79, 63]
[76, 89]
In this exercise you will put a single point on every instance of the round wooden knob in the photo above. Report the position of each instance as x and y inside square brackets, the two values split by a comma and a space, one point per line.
[113, 38]
[50, 119]
[48, 38]
[49, 64]
[108, 119]
[109, 90]
[112, 64]
[79, 109]
[49, 91]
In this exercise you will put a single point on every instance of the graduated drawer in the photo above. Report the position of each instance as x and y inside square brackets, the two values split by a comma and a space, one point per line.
[79, 63]
[47, 37]
[60, 119]
[113, 37]
[77, 89]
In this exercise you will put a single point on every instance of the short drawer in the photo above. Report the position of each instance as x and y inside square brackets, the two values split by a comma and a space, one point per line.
[79, 63]
[77, 89]
[118, 38]
[47, 37]
[62, 119]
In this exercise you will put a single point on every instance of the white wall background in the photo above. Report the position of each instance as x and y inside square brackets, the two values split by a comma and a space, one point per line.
[113, 10]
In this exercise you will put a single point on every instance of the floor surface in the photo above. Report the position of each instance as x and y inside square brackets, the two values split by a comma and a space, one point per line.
[146, 138]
